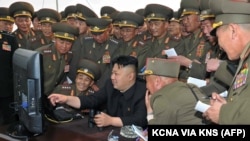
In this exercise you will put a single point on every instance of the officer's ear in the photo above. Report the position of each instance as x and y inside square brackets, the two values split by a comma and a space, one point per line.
[234, 30]
[166, 23]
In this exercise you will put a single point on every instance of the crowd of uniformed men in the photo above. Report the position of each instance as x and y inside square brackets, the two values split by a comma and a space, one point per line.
[77, 41]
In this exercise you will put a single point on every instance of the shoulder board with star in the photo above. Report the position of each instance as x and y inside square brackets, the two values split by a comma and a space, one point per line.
[91, 91]
[114, 41]
[147, 37]
[66, 87]
[141, 43]
[47, 51]
[6, 33]
[88, 38]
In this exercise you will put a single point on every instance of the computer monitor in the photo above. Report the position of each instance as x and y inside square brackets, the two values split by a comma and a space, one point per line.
[28, 92]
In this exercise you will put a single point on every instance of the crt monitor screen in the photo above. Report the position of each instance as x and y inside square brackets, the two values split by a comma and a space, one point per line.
[28, 89]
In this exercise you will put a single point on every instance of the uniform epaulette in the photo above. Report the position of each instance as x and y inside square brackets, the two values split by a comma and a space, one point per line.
[141, 43]
[47, 51]
[147, 37]
[6, 33]
[91, 91]
[88, 37]
[70, 52]
[114, 41]
[66, 87]
[2, 31]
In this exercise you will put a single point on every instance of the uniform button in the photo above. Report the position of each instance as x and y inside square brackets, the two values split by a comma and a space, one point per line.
[128, 109]
[189, 54]
[231, 99]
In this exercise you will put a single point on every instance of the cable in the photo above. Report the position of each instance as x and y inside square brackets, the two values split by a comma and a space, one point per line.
[55, 121]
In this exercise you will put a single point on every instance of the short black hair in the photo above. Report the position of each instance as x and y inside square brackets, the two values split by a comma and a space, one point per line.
[125, 60]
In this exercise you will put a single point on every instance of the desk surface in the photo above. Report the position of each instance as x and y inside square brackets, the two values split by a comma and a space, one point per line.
[77, 130]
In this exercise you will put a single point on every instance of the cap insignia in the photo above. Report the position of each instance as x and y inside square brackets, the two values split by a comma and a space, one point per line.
[96, 28]
[80, 14]
[124, 22]
[148, 72]
[85, 70]
[152, 14]
[66, 34]
[217, 24]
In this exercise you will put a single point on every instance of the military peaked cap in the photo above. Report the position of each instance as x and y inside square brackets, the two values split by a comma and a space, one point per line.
[65, 31]
[106, 11]
[175, 17]
[70, 11]
[63, 16]
[89, 68]
[130, 19]
[190, 7]
[228, 11]
[4, 15]
[206, 14]
[97, 25]
[161, 67]
[48, 15]
[158, 12]
[83, 12]
[21, 9]
[115, 20]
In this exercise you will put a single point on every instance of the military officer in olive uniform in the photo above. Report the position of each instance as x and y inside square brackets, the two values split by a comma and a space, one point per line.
[106, 12]
[8, 46]
[70, 13]
[158, 17]
[115, 32]
[6, 21]
[87, 74]
[57, 56]
[232, 22]
[47, 17]
[35, 22]
[22, 13]
[99, 48]
[172, 101]
[144, 28]
[82, 13]
[215, 54]
[131, 43]
[195, 45]
[175, 26]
